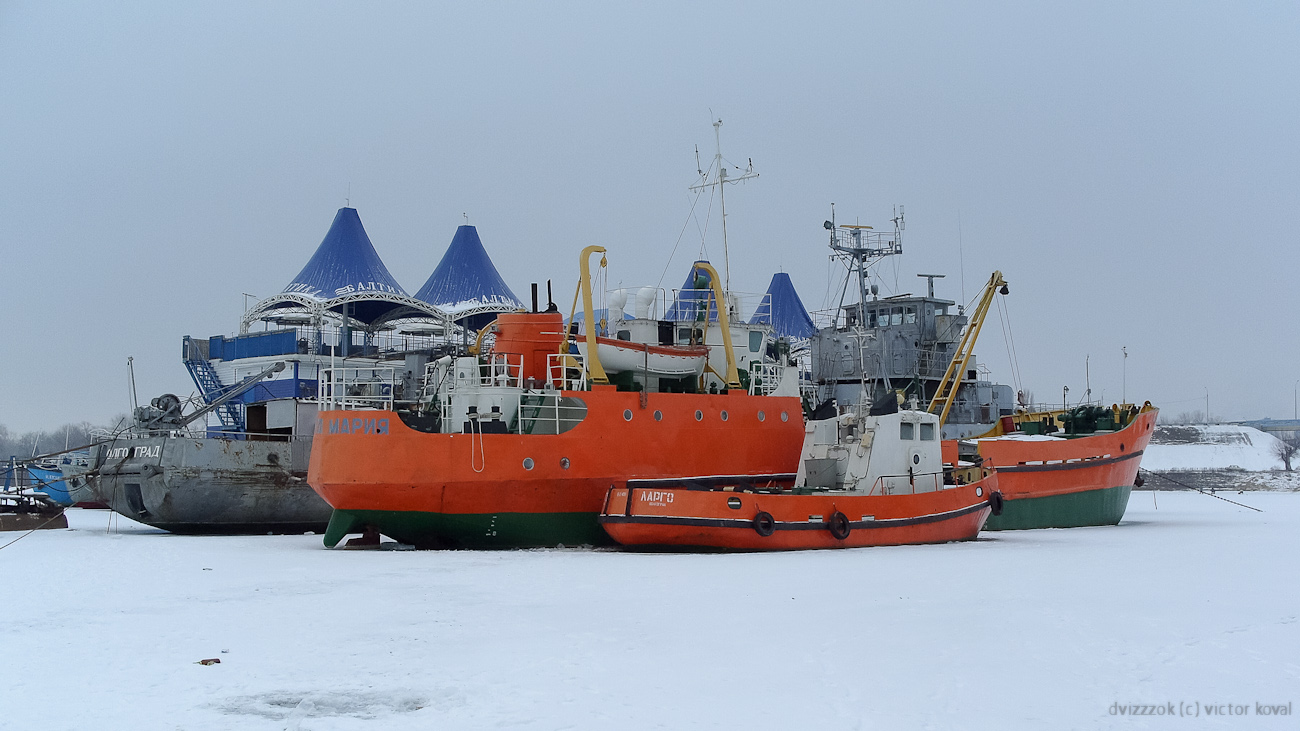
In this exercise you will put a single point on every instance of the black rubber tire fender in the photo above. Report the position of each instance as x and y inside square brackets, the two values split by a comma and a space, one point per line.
[839, 525]
[764, 524]
[996, 502]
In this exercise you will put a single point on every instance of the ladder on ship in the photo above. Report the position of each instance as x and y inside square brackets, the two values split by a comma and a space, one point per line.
[210, 386]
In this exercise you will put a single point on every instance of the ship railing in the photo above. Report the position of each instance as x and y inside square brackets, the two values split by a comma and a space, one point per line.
[908, 484]
[549, 413]
[700, 305]
[566, 371]
[503, 370]
[764, 378]
[356, 388]
[897, 363]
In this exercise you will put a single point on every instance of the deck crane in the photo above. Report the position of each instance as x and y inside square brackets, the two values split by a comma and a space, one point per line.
[946, 392]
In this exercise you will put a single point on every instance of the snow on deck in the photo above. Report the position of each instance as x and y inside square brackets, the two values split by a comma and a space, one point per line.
[1197, 601]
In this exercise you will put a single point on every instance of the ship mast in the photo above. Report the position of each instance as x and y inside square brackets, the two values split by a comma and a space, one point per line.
[720, 182]
[861, 247]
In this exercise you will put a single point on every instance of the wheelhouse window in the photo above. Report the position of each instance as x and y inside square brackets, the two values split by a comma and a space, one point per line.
[927, 432]
[905, 431]
[896, 316]
[871, 318]
[909, 315]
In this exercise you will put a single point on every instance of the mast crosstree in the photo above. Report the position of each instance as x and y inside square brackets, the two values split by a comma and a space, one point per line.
[720, 181]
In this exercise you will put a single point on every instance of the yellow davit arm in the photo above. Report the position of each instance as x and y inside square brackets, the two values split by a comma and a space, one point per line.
[594, 368]
[733, 375]
[477, 347]
[946, 393]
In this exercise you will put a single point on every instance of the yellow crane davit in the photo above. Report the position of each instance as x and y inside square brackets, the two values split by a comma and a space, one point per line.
[946, 392]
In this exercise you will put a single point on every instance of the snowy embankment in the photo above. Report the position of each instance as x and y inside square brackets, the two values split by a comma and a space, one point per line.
[1197, 601]
[1222, 456]
[1211, 447]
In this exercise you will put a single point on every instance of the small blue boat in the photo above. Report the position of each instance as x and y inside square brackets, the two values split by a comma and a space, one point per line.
[42, 479]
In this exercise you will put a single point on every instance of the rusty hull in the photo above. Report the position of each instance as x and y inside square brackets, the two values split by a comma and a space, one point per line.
[200, 485]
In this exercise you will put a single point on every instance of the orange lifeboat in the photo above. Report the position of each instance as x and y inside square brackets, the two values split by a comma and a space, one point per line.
[863, 481]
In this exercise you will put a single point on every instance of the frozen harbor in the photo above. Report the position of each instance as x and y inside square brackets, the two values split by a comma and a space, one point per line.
[1197, 601]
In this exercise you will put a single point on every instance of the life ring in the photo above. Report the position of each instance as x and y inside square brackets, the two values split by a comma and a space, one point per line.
[839, 525]
[996, 502]
[763, 524]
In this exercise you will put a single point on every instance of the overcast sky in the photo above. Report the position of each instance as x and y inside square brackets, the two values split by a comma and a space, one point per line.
[1132, 169]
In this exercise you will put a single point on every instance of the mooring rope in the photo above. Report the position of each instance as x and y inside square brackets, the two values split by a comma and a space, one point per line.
[1197, 489]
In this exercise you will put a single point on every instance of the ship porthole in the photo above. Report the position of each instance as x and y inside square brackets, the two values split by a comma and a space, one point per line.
[1121, 446]
[762, 416]
[723, 415]
[733, 503]
[564, 462]
[699, 415]
[979, 492]
[528, 463]
[916, 459]
[627, 414]
[659, 416]
[785, 416]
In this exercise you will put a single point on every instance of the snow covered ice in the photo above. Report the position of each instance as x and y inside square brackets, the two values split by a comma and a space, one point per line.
[1196, 601]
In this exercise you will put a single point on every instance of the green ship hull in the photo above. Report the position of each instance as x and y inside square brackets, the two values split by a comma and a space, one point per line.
[1072, 510]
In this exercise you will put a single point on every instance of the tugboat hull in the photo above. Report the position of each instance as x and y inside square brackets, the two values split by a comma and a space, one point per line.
[682, 518]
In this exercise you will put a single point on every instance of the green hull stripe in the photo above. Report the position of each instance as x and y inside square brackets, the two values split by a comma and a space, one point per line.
[490, 530]
[1072, 510]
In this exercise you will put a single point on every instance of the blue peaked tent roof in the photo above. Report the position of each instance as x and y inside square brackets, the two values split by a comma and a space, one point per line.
[344, 263]
[783, 310]
[466, 283]
[345, 276]
[692, 300]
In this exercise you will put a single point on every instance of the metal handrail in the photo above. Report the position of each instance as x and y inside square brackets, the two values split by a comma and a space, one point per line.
[545, 410]
[911, 481]
[558, 366]
[346, 389]
[764, 378]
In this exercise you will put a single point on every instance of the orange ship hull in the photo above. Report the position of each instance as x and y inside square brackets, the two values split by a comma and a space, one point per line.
[519, 490]
[1066, 483]
[681, 517]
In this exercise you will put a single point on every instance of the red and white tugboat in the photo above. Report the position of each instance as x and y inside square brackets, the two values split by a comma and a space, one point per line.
[864, 480]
